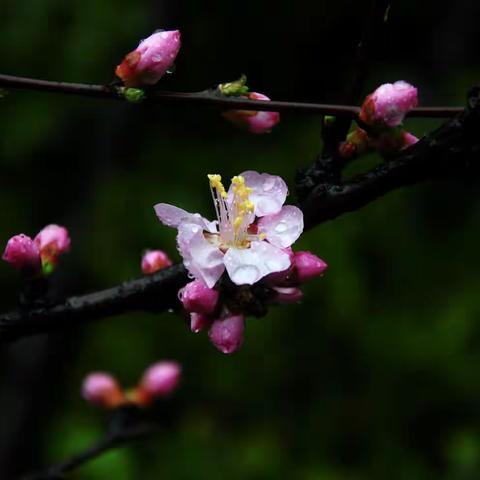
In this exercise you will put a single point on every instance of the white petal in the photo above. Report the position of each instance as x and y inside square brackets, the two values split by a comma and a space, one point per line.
[172, 216]
[249, 265]
[283, 228]
[268, 192]
[202, 259]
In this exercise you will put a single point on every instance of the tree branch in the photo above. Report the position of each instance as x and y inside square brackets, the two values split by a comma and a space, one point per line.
[451, 150]
[208, 97]
[118, 434]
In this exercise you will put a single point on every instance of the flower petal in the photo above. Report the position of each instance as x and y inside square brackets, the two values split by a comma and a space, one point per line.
[202, 259]
[172, 216]
[268, 192]
[283, 228]
[249, 265]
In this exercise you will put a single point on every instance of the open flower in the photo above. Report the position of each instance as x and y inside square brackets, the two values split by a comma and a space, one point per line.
[250, 235]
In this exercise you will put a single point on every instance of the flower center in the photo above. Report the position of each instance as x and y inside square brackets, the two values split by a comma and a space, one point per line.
[234, 212]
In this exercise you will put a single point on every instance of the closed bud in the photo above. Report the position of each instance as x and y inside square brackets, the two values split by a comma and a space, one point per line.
[389, 104]
[253, 121]
[227, 332]
[23, 254]
[155, 260]
[199, 322]
[307, 266]
[160, 380]
[149, 62]
[103, 390]
[198, 298]
[52, 241]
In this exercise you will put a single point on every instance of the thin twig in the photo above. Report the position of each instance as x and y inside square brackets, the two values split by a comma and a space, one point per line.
[109, 442]
[208, 97]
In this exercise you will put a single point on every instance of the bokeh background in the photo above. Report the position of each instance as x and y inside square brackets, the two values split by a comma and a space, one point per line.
[374, 376]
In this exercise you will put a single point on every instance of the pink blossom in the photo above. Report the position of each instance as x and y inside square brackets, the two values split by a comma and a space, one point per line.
[247, 250]
[253, 121]
[155, 260]
[22, 253]
[199, 322]
[227, 332]
[103, 390]
[150, 60]
[389, 104]
[52, 241]
[197, 297]
[307, 266]
[161, 379]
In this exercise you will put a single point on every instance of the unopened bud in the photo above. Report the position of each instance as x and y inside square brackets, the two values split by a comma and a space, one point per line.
[103, 390]
[23, 254]
[307, 266]
[253, 121]
[161, 379]
[227, 333]
[389, 104]
[155, 260]
[197, 297]
[153, 57]
[52, 241]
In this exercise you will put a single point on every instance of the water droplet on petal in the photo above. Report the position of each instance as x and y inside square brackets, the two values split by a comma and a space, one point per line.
[246, 274]
[281, 227]
[157, 58]
[164, 35]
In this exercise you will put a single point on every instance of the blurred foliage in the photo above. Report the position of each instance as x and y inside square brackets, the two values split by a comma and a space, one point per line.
[373, 376]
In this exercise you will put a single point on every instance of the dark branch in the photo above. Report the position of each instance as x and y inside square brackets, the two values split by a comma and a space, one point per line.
[208, 97]
[154, 293]
[119, 436]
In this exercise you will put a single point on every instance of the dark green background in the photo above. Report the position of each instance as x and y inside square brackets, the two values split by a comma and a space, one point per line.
[374, 376]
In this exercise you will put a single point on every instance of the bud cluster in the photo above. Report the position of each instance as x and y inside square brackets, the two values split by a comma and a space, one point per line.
[382, 114]
[221, 310]
[158, 381]
[40, 255]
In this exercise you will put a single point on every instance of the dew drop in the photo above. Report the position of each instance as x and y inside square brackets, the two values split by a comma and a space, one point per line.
[246, 274]
[164, 35]
[281, 227]
[157, 58]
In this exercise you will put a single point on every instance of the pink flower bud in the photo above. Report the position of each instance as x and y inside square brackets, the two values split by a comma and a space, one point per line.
[155, 260]
[52, 242]
[103, 390]
[22, 253]
[408, 139]
[389, 104]
[199, 322]
[287, 295]
[197, 297]
[150, 60]
[226, 333]
[253, 121]
[161, 379]
[307, 266]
